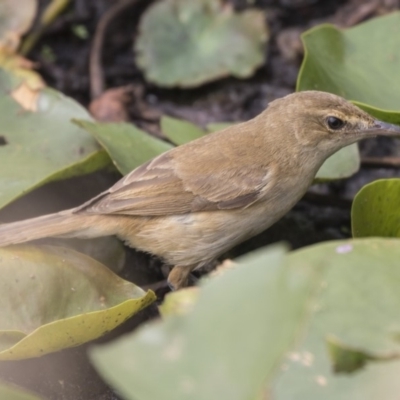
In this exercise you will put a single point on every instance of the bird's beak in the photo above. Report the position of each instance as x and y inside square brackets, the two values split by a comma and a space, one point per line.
[383, 129]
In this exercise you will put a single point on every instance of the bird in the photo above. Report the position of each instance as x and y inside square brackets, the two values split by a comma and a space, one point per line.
[194, 202]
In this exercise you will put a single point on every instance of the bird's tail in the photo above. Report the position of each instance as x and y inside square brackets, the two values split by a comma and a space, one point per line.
[63, 224]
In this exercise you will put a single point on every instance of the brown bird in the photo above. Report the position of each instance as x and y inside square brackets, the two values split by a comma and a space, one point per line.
[194, 202]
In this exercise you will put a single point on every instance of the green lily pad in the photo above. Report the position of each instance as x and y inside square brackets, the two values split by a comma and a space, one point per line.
[354, 324]
[225, 348]
[180, 302]
[355, 64]
[53, 298]
[348, 350]
[39, 146]
[179, 131]
[8, 392]
[376, 209]
[187, 43]
[344, 163]
[127, 145]
[218, 126]
[108, 250]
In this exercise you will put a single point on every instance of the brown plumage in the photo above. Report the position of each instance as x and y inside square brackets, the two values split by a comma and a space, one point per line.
[194, 202]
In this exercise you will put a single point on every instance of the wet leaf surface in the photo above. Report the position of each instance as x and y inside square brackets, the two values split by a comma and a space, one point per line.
[341, 62]
[41, 145]
[376, 209]
[53, 298]
[127, 145]
[185, 44]
[203, 354]
[354, 324]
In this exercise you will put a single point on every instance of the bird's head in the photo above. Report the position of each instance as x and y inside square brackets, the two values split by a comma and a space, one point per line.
[326, 122]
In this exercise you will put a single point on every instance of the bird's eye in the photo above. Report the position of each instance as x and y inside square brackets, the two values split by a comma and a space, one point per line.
[335, 123]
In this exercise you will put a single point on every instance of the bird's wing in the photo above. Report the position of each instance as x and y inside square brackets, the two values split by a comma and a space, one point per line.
[164, 186]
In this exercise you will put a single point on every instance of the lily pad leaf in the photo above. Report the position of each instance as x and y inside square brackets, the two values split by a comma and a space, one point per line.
[180, 302]
[53, 298]
[343, 164]
[222, 349]
[376, 209]
[127, 145]
[187, 43]
[350, 349]
[40, 144]
[179, 131]
[218, 126]
[108, 250]
[340, 62]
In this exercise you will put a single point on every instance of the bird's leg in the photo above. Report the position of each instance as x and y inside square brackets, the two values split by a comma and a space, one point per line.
[179, 276]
